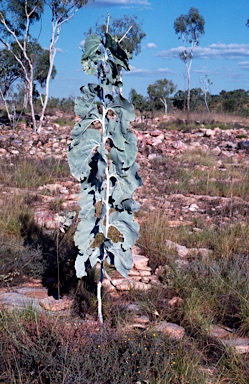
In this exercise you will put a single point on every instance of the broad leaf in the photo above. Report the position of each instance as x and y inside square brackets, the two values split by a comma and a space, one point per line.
[122, 259]
[124, 186]
[124, 110]
[125, 224]
[92, 256]
[81, 152]
[119, 55]
[123, 160]
[84, 235]
[93, 52]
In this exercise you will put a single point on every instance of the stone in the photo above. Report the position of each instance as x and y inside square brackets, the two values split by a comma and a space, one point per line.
[22, 297]
[141, 319]
[241, 345]
[125, 284]
[209, 132]
[193, 208]
[182, 251]
[51, 304]
[139, 261]
[219, 331]
[174, 331]
[175, 301]
[156, 133]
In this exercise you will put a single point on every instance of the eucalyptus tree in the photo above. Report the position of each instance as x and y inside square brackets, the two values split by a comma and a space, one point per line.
[12, 74]
[160, 91]
[16, 18]
[41, 69]
[61, 12]
[9, 73]
[189, 28]
[205, 85]
[139, 101]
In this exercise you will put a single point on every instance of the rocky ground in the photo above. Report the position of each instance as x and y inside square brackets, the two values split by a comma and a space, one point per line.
[153, 144]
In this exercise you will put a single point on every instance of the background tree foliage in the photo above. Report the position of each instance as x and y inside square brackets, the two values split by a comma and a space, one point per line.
[36, 66]
[160, 91]
[189, 28]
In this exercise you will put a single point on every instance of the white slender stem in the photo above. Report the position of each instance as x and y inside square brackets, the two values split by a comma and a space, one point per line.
[99, 302]
[107, 22]
[122, 38]
[107, 174]
[106, 202]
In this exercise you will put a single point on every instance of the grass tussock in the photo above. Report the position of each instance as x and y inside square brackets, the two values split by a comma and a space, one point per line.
[32, 173]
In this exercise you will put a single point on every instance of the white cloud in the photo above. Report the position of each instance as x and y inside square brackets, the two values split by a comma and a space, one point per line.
[201, 71]
[244, 65]
[213, 51]
[151, 45]
[138, 71]
[163, 70]
[146, 72]
[124, 3]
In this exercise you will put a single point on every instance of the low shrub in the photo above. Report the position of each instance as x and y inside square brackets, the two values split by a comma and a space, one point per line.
[37, 348]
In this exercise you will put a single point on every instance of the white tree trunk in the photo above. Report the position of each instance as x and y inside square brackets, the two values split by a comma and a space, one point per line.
[52, 52]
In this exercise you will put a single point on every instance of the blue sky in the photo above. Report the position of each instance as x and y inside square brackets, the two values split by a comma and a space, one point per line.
[222, 55]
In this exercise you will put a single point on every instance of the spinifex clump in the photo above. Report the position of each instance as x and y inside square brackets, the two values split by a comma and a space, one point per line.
[102, 157]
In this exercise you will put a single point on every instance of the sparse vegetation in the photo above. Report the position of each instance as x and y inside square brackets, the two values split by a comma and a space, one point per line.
[31, 173]
[212, 287]
[48, 352]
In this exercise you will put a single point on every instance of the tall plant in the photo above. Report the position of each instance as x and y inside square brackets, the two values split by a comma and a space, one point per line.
[102, 157]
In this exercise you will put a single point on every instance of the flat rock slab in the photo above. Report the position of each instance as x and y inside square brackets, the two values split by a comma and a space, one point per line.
[219, 331]
[240, 344]
[172, 330]
[22, 297]
[51, 304]
[140, 262]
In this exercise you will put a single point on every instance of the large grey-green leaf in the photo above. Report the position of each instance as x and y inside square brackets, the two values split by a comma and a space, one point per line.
[84, 234]
[114, 132]
[82, 126]
[80, 265]
[121, 258]
[130, 205]
[92, 256]
[81, 152]
[86, 108]
[85, 105]
[124, 110]
[93, 52]
[119, 55]
[91, 45]
[124, 186]
[123, 160]
[86, 203]
[125, 224]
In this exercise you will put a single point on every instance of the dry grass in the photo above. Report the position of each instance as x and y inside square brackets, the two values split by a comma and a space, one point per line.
[41, 349]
